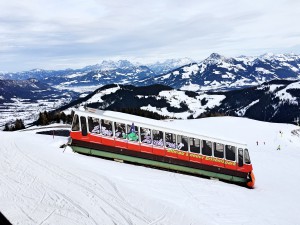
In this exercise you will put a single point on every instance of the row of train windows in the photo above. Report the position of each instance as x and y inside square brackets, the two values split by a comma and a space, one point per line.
[156, 138]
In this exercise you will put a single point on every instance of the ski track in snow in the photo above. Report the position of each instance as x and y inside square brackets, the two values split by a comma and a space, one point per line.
[39, 184]
[113, 205]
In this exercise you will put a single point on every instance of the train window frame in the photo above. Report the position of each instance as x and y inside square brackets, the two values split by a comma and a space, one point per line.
[220, 151]
[89, 128]
[173, 144]
[202, 146]
[136, 132]
[178, 143]
[235, 152]
[161, 140]
[76, 123]
[199, 148]
[104, 133]
[149, 140]
[122, 132]
[247, 155]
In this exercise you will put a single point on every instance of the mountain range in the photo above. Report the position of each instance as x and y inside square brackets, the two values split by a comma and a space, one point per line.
[239, 85]
[214, 73]
[220, 73]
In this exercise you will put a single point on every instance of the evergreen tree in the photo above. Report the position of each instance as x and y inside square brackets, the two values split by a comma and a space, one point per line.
[19, 125]
[6, 127]
[43, 120]
[63, 117]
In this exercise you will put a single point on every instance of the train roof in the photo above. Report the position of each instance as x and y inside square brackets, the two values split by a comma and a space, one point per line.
[186, 127]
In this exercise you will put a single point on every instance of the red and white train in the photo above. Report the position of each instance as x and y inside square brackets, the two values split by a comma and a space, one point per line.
[174, 145]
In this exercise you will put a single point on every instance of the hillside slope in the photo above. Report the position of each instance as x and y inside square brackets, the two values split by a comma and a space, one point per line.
[275, 101]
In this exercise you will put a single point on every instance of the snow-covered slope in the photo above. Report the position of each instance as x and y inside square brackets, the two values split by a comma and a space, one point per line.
[41, 184]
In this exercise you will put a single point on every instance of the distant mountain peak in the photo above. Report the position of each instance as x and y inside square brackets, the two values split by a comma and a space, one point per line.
[214, 58]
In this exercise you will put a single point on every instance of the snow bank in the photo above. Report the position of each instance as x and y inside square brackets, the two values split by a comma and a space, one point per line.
[41, 184]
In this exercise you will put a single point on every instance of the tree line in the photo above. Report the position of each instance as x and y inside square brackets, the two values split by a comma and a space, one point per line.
[17, 125]
[45, 118]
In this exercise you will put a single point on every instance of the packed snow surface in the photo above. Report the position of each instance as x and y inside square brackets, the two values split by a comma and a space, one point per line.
[41, 183]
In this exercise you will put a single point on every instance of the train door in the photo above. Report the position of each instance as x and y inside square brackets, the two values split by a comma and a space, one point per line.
[230, 157]
[75, 131]
[240, 159]
[83, 124]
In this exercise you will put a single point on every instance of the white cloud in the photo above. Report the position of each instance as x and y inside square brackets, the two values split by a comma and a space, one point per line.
[39, 33]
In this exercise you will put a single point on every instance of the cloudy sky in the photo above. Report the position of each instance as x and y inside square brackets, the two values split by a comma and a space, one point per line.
[55, 34]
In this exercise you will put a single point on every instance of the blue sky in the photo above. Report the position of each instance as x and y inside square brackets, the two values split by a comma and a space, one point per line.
[60, 34]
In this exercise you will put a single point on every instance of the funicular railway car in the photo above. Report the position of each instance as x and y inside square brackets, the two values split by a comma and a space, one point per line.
[165, 144]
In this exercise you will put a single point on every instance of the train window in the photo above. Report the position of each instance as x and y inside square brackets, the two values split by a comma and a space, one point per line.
[230, 152]
[94, 126]
[120, 130]
[219, 150]
[158, 137]
[132, 132]
[206, 148]
[75, 126]
[170, 140]
[106, 128]
[195, 145]
[83, 126]
[146, 135]
[247, 157]
[182, 143]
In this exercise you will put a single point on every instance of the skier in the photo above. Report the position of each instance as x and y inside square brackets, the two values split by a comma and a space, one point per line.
[278, 147]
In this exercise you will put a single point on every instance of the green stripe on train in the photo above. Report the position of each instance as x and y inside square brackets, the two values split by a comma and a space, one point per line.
[157, 164]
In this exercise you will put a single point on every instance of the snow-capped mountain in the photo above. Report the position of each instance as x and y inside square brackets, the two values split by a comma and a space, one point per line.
[100, 77]
[39, 74]
[214, 73]
[220, 73]
[169, 65]
[275, 101]
[107, 72]
[93, 76]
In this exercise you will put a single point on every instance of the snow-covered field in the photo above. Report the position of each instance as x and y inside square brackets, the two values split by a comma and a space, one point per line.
[42, 184]
[27, 110]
